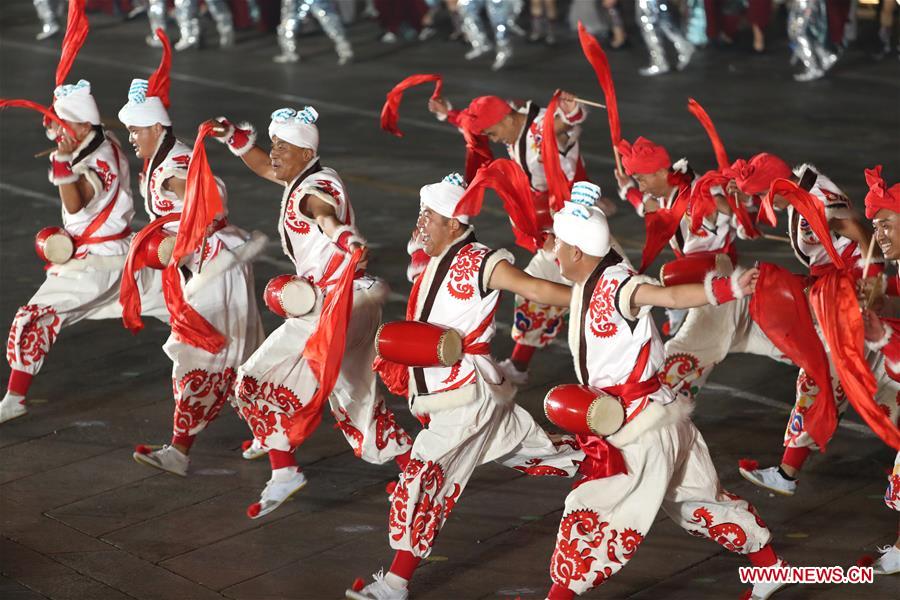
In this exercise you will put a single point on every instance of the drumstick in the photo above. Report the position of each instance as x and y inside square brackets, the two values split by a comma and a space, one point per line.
[589, 102]
[777, 238]
[868, 260]
[43, 153]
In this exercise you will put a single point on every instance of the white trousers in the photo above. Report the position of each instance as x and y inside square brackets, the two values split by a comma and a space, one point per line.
[538, 324]
[446, 453]
[276, 382]
[605, 520]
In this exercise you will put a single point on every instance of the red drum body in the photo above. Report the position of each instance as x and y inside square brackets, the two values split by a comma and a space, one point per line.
[290, 296]
[418, 344]
[584, 410]
[54, 245]
[693, 268]
[158, 249]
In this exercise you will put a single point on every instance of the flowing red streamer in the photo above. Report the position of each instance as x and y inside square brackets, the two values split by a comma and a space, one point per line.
[390, 112]
[558, 185]
[809, 208]
[718, 147]
[44, 110]
[159, 83]
[595, 55]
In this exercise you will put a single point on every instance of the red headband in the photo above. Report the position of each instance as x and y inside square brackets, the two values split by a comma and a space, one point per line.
[756, 175]
[880, 196]
[643, 156]
[483, 112]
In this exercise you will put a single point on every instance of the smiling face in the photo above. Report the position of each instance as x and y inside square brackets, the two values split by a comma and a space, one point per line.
[288, 160]
[145, 140]
[437, 231]
[81, 129]
[887, 233]
[656, 183]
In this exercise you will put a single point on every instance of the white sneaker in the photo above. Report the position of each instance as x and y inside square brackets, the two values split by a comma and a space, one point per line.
[770, 479]
[510, 371]
[889, 561]
[286, 57]
[168, 459]
[12, 406]
[254, 450]
[389, 37]
[653, 70]
[809, 75]
[378, 590]
[764, 590]
[501, 59]
[284, 483]
[48, 31]
[480, 51]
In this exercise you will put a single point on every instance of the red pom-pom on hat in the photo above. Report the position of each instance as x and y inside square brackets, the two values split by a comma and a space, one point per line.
[748, 464]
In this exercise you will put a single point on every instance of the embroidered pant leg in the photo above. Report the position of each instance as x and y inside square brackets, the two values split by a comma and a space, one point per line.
[697, 502]
[892, 493]
[359, 409]
[63, 299]
[540, 455]
[605, 520]
[538, 324]
[202, 382]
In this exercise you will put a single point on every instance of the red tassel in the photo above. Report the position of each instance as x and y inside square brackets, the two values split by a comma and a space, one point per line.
[325, 351]
[510, 182]
[76, 34]
[159, 83]
[390, 112]
[748, 464]
[558, 185]
[833, 299]
[866, 560]
[595, 55]
[809, 208]
[254, 509]
[142, 449]
[46, 111]
[702, 116]
[358, 584]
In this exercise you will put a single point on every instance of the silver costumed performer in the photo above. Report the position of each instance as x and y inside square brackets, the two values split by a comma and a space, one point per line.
[187, 17]
[806, 28]
[502, 15]
[325, 12]
[657, 17]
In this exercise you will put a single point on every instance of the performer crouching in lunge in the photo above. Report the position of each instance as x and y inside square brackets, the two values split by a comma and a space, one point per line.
[210, 294]
[318, 232]
[642, 450]
[882, 333]
[468, 404]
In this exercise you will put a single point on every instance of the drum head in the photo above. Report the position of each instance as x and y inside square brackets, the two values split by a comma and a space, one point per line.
[449, 348]
[165, 249]
[606, 415]
[59, 248]
[298, 298]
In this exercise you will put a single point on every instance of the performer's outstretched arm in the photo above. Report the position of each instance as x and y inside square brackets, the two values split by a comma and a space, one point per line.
[691, 295]
[241, 141]
[509, 278]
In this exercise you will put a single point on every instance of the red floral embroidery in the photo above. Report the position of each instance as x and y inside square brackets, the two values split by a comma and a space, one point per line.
[892, 493]
[199, 396]
[535, 468]
[580, 533]
[33, 331]
[329, 188]
[678, 366]
[293, 219]
[602, 307]
[182, 160]
[386, 428]
[105, 174]
[267, 407]
[353, 435]
[729, 535]
[466, 265]
[429, 512]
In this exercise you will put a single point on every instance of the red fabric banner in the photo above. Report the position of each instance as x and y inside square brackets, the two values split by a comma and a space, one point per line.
[390, 112]
[76, 34]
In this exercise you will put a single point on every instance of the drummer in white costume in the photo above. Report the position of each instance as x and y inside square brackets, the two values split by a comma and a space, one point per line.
[92, 177]
[318, 232]
[468, 406]
[216, 282]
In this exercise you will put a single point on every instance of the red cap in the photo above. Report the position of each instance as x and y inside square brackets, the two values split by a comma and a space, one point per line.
[880, 196]
[643, 156]
[483, 112]
[756, 175]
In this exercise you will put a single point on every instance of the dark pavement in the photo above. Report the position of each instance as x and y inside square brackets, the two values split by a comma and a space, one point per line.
[79, 519]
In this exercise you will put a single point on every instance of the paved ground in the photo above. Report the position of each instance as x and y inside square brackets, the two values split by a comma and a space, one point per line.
[80, 519]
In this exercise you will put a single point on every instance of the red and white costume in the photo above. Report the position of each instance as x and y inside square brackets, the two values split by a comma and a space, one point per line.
[536, 325]
[666, 461]
[276, 381]
[87, 286]
[216, 281]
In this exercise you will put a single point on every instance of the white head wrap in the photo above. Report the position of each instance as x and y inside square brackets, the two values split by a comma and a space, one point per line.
[581, 224]
[297, 128]
[141, 110]
[74, 102]
[444, 196]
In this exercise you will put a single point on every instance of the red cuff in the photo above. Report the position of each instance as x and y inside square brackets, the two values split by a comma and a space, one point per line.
[722, 290]
[343, 241]
[453, 117]
[635, 197]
